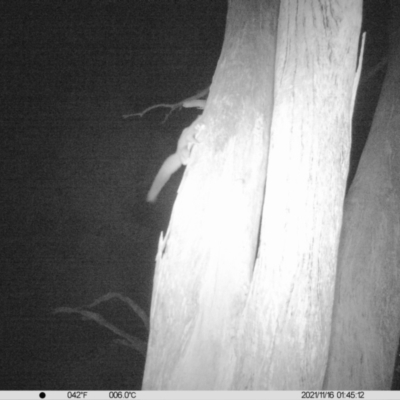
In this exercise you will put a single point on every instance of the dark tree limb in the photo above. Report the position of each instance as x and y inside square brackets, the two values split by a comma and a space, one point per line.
[125, 339]
[190, 102]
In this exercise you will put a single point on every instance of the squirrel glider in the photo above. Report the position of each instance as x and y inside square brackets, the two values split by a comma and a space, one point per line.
[175, 161]
[191, 102]
[185, 142]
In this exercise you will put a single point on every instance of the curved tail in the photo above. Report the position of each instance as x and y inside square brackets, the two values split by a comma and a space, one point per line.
[170, 165]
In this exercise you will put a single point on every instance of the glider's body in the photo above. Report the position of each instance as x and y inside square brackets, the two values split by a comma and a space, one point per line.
[173, 162]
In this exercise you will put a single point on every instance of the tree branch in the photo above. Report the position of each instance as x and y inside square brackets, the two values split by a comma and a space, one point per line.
[190, 102]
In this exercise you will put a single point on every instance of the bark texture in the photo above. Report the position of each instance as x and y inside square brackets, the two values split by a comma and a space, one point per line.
[367, 300]
[220, 319]
[286, 330]
[204, 264]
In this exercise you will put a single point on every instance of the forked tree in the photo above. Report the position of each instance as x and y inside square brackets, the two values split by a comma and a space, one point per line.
[245, 275]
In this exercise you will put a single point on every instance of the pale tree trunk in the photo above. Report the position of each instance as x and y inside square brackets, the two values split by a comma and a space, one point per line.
[367, 300]
[285, 339]
[204, 267]
[220, 320]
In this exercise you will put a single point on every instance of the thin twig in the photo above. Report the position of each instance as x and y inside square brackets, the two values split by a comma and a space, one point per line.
[189, 102]
[134, 342]
[136, 309]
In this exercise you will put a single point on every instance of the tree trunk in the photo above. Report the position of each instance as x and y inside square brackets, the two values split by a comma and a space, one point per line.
[367, 299]
[204, 264]
[219, 319]
[284, 344]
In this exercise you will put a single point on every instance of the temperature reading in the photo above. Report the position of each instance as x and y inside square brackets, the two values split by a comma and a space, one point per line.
[122, 395]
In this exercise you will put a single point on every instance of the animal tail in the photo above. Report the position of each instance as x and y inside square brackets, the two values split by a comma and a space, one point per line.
[170, 165]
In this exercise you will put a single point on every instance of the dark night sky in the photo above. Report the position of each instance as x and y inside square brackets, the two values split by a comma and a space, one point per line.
[74, 224]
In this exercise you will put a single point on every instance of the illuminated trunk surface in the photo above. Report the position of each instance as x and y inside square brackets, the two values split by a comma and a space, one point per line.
[367, 300]
[240, 304]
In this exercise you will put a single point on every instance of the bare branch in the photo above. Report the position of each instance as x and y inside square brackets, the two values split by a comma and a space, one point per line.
[128, 339]
[135, 307]
[190, 102]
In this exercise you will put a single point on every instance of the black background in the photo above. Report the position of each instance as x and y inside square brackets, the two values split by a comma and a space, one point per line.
[74, 174]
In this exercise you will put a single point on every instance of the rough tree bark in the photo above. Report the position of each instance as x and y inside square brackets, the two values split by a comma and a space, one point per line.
[219, 319]
[367, 300]
[204, 265]
[286, 331]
